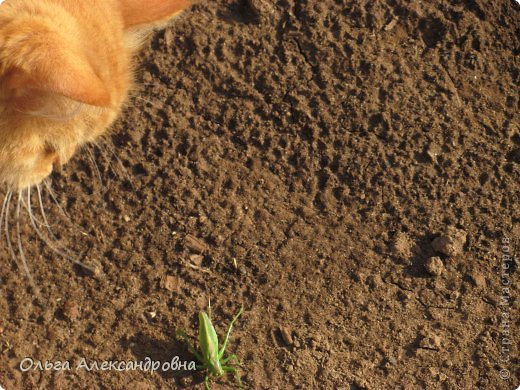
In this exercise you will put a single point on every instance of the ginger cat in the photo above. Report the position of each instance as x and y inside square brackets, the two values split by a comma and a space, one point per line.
[65, 72]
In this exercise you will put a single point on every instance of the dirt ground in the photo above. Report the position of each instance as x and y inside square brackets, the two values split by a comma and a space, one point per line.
[346, 170]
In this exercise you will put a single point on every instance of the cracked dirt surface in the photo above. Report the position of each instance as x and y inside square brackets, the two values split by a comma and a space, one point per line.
[298, 157]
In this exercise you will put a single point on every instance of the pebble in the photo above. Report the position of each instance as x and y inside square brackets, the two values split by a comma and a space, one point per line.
[286, 336]
[434, 266]
[195, 244]
[478, 280]
[431, 341]
[451, 242]
[392, 360]
[169, 283]
[260, 7]
[185, 381]
[433, 151]
[71, 310]
[390, 26]
[168, 37]
[403, 245]
[196, 260]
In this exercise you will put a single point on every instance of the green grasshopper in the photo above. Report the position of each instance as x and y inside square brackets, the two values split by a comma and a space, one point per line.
[211, 358]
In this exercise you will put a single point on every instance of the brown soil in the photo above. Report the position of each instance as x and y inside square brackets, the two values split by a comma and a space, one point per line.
[311, 151]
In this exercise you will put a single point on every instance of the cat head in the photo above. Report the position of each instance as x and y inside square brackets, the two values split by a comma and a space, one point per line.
[65, 72]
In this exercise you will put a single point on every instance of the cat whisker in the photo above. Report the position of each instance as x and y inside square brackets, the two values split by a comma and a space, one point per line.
[154, 105]
[2, 212]
[105, 156]
[7, 205]
[46, 224]
[4, 204]
[72, 259]
[119, 162]
[55, 200]
[20, 246]
[44, 216]
[29, 209]
[53, 196]
[96, 168]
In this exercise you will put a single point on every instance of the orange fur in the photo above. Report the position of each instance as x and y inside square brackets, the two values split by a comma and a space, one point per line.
[59, 57]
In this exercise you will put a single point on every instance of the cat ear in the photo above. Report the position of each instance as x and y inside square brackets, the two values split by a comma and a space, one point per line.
[67, 75]
[148, 12]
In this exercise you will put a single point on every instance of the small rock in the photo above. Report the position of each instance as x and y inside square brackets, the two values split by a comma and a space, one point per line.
[490, 299]
[194, 244]
[168, 37]
[454, 295]
[71, 310]
[433, 151]
[403, 245]
[286, 336]
[478, 280]
[431, 341]
[260, 7]
[434, 266]
[185, 381]
[451, 242]
[126, 218]
[447, 363]
[169, 283]
[390, 26]
[196, 260]
[388, 361]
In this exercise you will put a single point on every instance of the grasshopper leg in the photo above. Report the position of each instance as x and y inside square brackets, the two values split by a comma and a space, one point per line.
[197, 355]
[224, 345]
[234, 371]
[230, 357]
